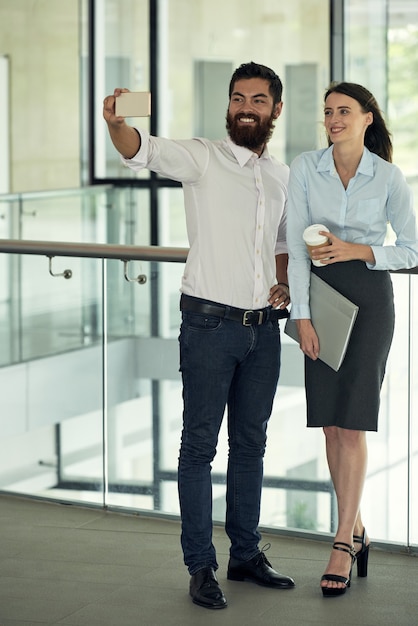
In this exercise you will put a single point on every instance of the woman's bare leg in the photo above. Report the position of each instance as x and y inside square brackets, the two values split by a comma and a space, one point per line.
[347, 461]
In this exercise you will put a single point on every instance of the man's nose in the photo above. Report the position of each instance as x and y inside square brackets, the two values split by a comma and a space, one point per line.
[247, 105]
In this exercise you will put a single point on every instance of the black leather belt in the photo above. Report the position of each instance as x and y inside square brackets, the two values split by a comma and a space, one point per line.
[247, 318]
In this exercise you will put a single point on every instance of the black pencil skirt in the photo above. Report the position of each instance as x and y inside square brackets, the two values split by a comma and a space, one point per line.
[350, 398]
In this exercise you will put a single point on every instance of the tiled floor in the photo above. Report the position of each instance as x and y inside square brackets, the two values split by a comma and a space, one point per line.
[63, 564]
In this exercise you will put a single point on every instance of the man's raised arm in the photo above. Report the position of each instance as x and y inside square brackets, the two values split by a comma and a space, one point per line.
[126, 139]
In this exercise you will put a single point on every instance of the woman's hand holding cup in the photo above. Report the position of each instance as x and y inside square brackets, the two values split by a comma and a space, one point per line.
[314, 240]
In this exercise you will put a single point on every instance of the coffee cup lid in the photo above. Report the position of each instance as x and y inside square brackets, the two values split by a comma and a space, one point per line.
[311, 236]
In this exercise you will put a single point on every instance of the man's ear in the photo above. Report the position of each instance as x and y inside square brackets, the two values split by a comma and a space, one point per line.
[277, 109]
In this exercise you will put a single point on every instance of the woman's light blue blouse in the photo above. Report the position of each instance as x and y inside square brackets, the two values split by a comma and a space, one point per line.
[377, 195]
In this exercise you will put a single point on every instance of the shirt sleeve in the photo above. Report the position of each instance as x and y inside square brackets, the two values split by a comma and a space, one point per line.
[183, 161]
[403, 254]
[297, 221]
[140, 159]
[281, 241]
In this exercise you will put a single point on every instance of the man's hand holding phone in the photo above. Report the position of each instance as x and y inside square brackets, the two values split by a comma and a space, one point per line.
[125, 138]
[125, 103]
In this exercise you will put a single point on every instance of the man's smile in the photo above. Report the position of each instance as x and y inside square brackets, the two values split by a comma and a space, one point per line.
[246, 120]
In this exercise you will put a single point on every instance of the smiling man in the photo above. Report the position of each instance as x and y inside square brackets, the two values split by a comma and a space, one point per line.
[234, 290]
[250, 117]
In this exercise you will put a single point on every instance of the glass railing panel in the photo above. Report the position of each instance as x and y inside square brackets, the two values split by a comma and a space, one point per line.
[99, 419]
[128, 216]
[385, 498]
[52, 393]
[80, 457]
[45, 315]
[129, 301]
[99, 214]
[144, 402]
[30, 295]
[60, 215]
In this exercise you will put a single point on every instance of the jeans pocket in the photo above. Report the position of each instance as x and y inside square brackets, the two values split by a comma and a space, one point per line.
[200, 322]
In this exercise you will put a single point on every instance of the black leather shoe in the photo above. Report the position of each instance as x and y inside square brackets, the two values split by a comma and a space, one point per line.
[258, 570]
[205, 589]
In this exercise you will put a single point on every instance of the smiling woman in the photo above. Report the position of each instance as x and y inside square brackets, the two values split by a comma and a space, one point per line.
[346, 124]
[356, 263]
[358, 119]
[344, 118]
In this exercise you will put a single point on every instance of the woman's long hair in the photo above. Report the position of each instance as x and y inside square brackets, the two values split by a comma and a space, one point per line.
[377, 138]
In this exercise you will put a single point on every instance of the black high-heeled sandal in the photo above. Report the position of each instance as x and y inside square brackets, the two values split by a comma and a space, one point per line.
[362, 555]
[338, 591]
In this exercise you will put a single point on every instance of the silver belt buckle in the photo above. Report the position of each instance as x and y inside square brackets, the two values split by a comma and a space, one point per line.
[245, 321]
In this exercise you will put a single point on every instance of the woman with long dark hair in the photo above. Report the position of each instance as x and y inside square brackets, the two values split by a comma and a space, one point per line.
[354, 190]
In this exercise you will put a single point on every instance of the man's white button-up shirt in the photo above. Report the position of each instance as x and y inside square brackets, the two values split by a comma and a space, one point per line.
[235, 205]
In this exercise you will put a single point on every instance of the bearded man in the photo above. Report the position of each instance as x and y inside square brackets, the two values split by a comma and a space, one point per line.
[233, 292]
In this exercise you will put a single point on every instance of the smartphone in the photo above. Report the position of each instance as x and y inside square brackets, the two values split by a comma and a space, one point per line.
[133, 104]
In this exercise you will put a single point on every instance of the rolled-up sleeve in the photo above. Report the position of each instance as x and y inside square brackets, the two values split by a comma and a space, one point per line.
[140, 160]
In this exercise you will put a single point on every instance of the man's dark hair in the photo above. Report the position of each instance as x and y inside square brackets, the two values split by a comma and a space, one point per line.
[255, 70]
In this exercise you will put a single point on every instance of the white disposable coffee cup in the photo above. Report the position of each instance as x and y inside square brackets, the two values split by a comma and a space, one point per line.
[313, 240]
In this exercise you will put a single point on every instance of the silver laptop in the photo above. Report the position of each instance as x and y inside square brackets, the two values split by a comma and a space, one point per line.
[333, 317]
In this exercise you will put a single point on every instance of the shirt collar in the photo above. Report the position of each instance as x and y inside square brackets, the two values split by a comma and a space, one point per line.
[243, 155]
[326, 163]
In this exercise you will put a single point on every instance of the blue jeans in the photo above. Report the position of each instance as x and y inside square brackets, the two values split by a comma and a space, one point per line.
[224, 363]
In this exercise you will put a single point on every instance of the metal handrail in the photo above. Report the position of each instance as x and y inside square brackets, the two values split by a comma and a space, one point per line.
[55, 193]
[121, 252]
[94, 250]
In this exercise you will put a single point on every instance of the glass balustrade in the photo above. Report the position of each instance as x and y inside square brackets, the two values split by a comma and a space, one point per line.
[91, 391]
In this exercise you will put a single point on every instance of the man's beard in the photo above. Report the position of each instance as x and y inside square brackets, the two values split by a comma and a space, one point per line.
[250, 136]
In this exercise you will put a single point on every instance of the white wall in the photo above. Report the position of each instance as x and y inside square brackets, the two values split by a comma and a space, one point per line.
[41, 40]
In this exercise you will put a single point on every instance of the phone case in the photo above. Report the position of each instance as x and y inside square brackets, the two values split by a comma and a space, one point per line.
[133, 104]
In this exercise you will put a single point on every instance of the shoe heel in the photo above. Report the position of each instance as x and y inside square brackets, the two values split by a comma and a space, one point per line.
[362, 562]
[231, 575]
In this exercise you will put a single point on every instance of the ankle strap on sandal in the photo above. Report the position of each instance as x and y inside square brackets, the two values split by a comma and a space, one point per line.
[346, 548]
